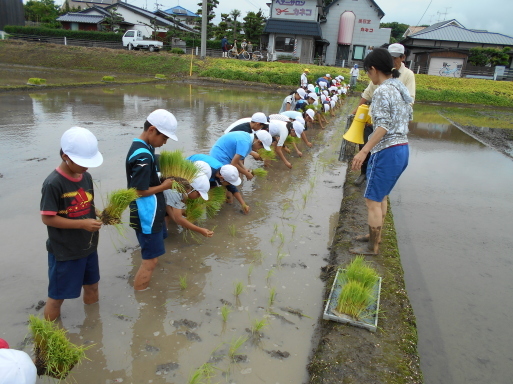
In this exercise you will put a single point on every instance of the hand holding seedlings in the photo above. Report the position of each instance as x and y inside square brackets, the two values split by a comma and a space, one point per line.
[91, 225]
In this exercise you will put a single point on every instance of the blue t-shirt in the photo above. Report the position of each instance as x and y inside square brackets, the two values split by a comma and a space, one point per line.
[231, 144]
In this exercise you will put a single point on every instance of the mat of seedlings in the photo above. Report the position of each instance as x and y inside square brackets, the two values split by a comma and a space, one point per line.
[346, 354]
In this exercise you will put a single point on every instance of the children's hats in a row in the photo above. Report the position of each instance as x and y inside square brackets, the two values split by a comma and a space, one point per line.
[265, 138]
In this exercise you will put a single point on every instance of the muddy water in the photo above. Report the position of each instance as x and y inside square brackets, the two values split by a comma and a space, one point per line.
[163, 334]
[453, 211]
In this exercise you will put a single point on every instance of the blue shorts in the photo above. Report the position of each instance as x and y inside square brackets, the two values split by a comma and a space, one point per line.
[384, 170]
[152, 245]
[66, 278]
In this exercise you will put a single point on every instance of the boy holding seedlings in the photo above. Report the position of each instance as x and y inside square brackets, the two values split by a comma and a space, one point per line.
[68, 211]
[148, 211]
[175, 203]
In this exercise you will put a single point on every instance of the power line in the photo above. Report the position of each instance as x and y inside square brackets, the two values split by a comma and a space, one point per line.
[418, 23]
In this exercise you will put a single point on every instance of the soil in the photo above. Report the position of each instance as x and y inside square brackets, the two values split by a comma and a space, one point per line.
[346, 354]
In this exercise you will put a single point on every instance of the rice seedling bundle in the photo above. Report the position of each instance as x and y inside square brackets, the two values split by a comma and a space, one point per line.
[55, 354]
[235, 345]
[117, 202]
[160, 76]
[36, 81]
[173, 164]
[216, 199]
[267, 155]
[108, 78]
[354, 299]
[359, 270]
[292, 140]
[195, 210]
[259, 172]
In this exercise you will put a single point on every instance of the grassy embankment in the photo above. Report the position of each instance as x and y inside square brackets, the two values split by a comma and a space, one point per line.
[107, 61]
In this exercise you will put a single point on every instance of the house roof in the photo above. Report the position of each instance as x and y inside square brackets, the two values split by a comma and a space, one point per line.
[180, 25]
[73, 17]
[411, 30]
[441, 24]
[380, 11]
[454, 33]
[292, 27]
[143, 12]
[180, 11]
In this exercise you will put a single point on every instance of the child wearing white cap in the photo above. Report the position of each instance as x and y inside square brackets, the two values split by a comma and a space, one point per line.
[148, 211]
[302, 117]
[289, 103]
[16, 367]
[279, 130]
[223, 175]
[68, 211]
[175, 203]
[250, 125]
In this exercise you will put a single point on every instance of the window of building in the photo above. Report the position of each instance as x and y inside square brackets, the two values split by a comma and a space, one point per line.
[284, 44]
[358, 52]
[74, 26]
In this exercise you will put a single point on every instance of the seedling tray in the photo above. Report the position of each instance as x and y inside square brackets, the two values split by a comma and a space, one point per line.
[370, 323]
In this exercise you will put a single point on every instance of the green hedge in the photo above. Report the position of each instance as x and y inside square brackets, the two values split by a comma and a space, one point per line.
[211, 44]
[84, 35]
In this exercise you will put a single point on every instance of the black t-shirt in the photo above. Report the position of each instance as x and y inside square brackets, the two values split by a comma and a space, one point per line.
[72, 199]
[146, 213]
[245, 127]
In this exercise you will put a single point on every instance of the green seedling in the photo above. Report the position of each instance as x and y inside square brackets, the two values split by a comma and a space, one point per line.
[304, 195]
[275, 228]
[281, 237]
[36, 81]
[160, 76]
[225, 311]
[270, 273]
[258, 325]
[257, 256]
[55, 354]
[238, 288]
[293, 226]
[232, 229]
[208, 370]
[355, 299]
[280, 257]
[259, 172]
[285, 207]
[173, 164]
[108, 78]
[272, 296]
[361, 271]
[250, 269]
[235, 346]
[196, 377]
[183, 282]
[273, 239]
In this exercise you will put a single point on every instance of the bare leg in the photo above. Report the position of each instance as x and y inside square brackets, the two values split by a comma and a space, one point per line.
[143, 275]
[53, 309]
[91, 294]
[375, 220]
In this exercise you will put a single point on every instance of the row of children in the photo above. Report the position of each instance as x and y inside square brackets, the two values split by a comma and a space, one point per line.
[68, 210]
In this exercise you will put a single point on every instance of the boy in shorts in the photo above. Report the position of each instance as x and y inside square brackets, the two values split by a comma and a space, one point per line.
[148, 211]
[68, 211]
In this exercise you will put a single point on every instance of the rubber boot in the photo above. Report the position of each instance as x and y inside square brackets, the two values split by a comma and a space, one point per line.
[372, 247]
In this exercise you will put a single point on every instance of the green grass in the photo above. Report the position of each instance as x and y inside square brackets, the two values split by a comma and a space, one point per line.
[54, 349]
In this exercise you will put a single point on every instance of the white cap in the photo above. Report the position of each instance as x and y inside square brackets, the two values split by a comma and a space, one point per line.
[328, 75]
[313, 95]
[323, 97]
[301, 92]
[300, 119]
[202, 185]
[204, 167]
[230, 174]
[16, 367]
[310, 112]
[325, 92]
[298, 128]
[265, 138]
[341, 77]
[396, 50]
[259, 117]
[165, 122]
[334, 81]
[311, 87]
[81, 147]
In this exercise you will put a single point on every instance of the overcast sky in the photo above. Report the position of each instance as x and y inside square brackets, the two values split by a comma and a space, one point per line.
[494, 16]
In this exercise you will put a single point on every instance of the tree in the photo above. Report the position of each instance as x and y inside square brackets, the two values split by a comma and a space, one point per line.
[254, 24]
[398, 30]
[111, 22]
[153, 25]
[43, 11]
[481, 57]
[235, 13]
[222, 29]
[211, 6]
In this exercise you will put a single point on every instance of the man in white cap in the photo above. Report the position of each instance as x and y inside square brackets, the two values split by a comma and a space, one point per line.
[16, 367]
[355, 74]
[289, 103]
[304, 78]
[148, 211]
[406, 76]
[175, 203]
[258, 121]
[67, 209]
[223, 175]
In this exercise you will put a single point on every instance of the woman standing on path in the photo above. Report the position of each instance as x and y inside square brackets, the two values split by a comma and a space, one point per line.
[388, 144]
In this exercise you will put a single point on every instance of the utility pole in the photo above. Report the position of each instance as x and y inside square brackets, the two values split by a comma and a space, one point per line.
[204, 20]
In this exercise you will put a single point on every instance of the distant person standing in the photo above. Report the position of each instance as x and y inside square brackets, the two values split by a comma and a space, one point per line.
[224, 46]
[355, 73]
[250, 49]
[235, 50]
[244, 44]
[304, 78]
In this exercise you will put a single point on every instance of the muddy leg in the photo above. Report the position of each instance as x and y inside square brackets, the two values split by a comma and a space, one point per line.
[375, 220]
[52, 309]
[372, 247]
[143, 275]
[91, 293]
